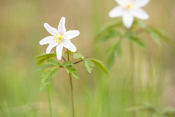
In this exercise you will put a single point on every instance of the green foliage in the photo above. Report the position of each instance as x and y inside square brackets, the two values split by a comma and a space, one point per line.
[114, 49]
[70, 69]
[51, 73]
[111, 60]
[100, 65]
[89, 64]
[43, 67]
[155, 36]
[108, 27]
[78, 56]
[68, 63]
[54, 62]
[75, 75]
[109, 35]
[41, 58]
[73, 71]
[7, 109]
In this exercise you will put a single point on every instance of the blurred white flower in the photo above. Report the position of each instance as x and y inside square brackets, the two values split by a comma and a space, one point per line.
[129, 9]
[60, 38]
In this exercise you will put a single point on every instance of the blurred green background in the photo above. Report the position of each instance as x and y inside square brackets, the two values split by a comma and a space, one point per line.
[95, 95]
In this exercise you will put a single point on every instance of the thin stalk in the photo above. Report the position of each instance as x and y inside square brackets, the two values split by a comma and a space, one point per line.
[71, 85]
[133, 77]
[50, 106]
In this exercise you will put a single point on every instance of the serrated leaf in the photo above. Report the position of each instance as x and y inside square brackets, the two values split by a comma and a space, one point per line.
[54, 62]
[49, 72]
[89, 64]
[67, 63]
[70, 69]
[110, 61]
[75, 75]
[100, 65]
[108, 36]
[47, 75]
[78, 56]
[44, 82]
[43, 57]
[108, 27]
[54, 74]
[43, 67]
[155, 36]
[137, 41]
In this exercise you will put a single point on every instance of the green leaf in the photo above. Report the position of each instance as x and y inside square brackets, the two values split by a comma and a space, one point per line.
[100, 65]
[54, 74]
[49, 72]
[70, 69]
[89, 64]
[68, 63]
[53, 54]
[78, 56]
[47, 75]
[110, 35]
[136, 41]
[155, 36]
[141, 24]
[43, 67]
[163, 36]
[108, 27]
[110, 61]
[75, 75]
[43, 57]
[118, 48]
[70, 52]
[54, 62]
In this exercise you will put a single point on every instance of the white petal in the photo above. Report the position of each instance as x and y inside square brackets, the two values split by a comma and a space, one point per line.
[67, 44]
[140, 3]
[139, 13]
[71, 34]
[116, 12]
[122, 2]
[47, 40]
[50, 29]
[61, 26]
[51, 45]
[128, 19]
[59, 49]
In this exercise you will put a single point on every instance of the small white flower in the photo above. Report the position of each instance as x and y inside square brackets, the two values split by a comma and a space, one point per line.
[60, 38]
[129, 9]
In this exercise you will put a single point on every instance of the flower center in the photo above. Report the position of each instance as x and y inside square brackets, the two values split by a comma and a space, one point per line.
[128, 6]
[58, 38]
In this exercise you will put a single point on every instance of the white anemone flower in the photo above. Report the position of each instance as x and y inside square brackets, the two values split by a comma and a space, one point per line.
[129, 9]
[59, 39]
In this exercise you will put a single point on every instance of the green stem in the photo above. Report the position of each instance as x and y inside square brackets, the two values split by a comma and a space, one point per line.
[71, 85]
[50, 107]
[133, 77]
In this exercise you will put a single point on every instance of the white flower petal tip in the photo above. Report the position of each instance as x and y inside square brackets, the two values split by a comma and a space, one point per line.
[59, 50]
[71, 34]
[61, 26]
[50, 29]
[49, 48]
[46, 40]
[141, 3]
[139, 13]
[128, 20]
[116, 12]
[67, 44]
